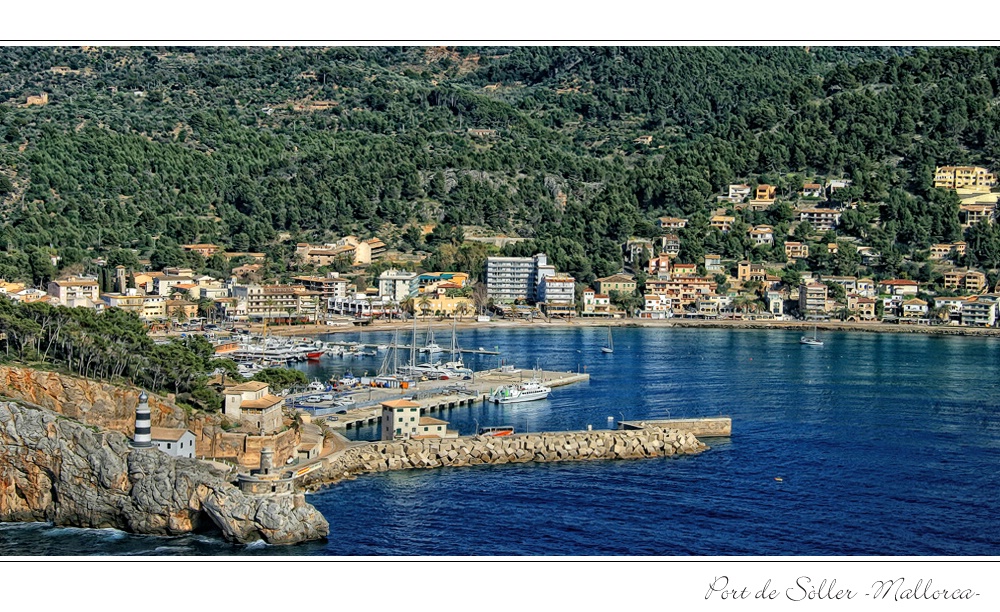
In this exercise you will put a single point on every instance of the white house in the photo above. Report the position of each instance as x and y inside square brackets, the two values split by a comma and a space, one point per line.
[401, 419]
[174, 442]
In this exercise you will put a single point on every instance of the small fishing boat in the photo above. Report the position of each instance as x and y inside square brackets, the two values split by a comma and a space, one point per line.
[502, 430]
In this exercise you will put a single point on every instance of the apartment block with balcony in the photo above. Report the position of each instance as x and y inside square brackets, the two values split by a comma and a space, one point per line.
[75, 291]
[980, 311]
[516, 278]
[723, 223]
[812, 298]
[271, 302]
[331, 285]
[796, 250]
[964, 177]
[397, 285]
[822, 219]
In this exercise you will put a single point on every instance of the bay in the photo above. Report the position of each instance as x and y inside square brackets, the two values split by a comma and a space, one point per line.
[874, 444]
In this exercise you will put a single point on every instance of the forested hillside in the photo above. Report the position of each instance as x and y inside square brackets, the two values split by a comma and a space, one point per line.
[147, 148]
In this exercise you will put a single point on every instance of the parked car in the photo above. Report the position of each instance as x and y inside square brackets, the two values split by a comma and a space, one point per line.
[326, 397]
[341, 412]
[313, 399]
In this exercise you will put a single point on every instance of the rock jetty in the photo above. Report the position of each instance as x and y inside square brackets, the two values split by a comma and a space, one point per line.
[53, 468]
[521, 448]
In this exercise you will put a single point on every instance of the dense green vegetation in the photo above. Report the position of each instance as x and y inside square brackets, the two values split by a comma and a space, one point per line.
[148, 148]
[111, 346]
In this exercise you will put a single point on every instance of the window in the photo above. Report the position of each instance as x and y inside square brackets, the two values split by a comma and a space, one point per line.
[168, 445]
[413, 419]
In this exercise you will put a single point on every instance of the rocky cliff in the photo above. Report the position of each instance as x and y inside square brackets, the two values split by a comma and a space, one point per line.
[94, 403]
[53, 468]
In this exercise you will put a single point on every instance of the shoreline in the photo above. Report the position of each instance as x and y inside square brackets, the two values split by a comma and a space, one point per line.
[899, 328]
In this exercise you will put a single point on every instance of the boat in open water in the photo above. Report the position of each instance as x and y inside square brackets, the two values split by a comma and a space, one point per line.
[812, 340]
[526, 391]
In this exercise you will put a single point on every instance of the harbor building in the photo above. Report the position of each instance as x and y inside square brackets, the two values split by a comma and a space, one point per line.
[401, 420]
[252, 404]
[516, 278]
[174, 442]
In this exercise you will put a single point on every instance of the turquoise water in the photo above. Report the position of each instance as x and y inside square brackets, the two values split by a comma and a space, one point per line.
[885, 444]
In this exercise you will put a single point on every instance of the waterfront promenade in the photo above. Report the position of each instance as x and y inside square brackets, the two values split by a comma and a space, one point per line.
[867, 327]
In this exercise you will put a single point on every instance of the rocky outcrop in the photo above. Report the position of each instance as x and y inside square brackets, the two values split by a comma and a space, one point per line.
[94, 403]
[479, 450]
[53, 468]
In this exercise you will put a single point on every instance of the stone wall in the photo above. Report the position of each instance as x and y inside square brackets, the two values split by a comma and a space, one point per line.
[521, 448]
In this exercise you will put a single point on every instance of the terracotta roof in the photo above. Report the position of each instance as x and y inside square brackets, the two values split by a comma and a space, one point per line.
[431, 421]
[400, 403]
[900, 282]
[253, 385]
[259, 404]
[166, 434]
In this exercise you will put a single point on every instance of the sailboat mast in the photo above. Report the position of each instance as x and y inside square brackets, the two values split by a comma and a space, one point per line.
[413, 342]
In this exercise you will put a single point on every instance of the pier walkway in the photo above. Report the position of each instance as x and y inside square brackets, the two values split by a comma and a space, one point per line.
[434, 395]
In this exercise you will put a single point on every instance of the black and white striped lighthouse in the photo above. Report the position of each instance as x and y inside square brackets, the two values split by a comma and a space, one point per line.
[142, 437]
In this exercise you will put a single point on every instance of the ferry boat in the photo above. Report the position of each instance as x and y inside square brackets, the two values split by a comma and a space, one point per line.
[502, 430]
[527, 391]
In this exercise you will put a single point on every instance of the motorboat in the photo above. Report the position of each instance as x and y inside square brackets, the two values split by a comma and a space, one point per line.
[502, 430]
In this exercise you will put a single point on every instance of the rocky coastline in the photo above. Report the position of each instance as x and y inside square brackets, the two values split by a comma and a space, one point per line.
[54, 468]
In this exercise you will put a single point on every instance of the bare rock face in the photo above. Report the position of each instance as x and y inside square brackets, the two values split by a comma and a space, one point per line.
[88, 401]
[55, 469]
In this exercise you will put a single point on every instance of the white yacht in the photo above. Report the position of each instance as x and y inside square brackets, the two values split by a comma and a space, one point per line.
[527, 391]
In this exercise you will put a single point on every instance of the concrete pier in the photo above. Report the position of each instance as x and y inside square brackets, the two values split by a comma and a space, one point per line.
[712, 427]
[435, 395]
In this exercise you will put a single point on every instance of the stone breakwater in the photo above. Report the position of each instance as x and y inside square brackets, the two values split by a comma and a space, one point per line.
[521, 448]
[56, 469]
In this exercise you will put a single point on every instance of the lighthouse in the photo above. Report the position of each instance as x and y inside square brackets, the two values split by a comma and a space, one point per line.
[142, 437]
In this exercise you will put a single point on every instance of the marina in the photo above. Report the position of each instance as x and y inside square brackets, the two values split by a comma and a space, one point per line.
[811, 467]
[431, 395]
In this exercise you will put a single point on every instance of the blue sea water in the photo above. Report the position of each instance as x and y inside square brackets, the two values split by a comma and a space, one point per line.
[884, 444]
